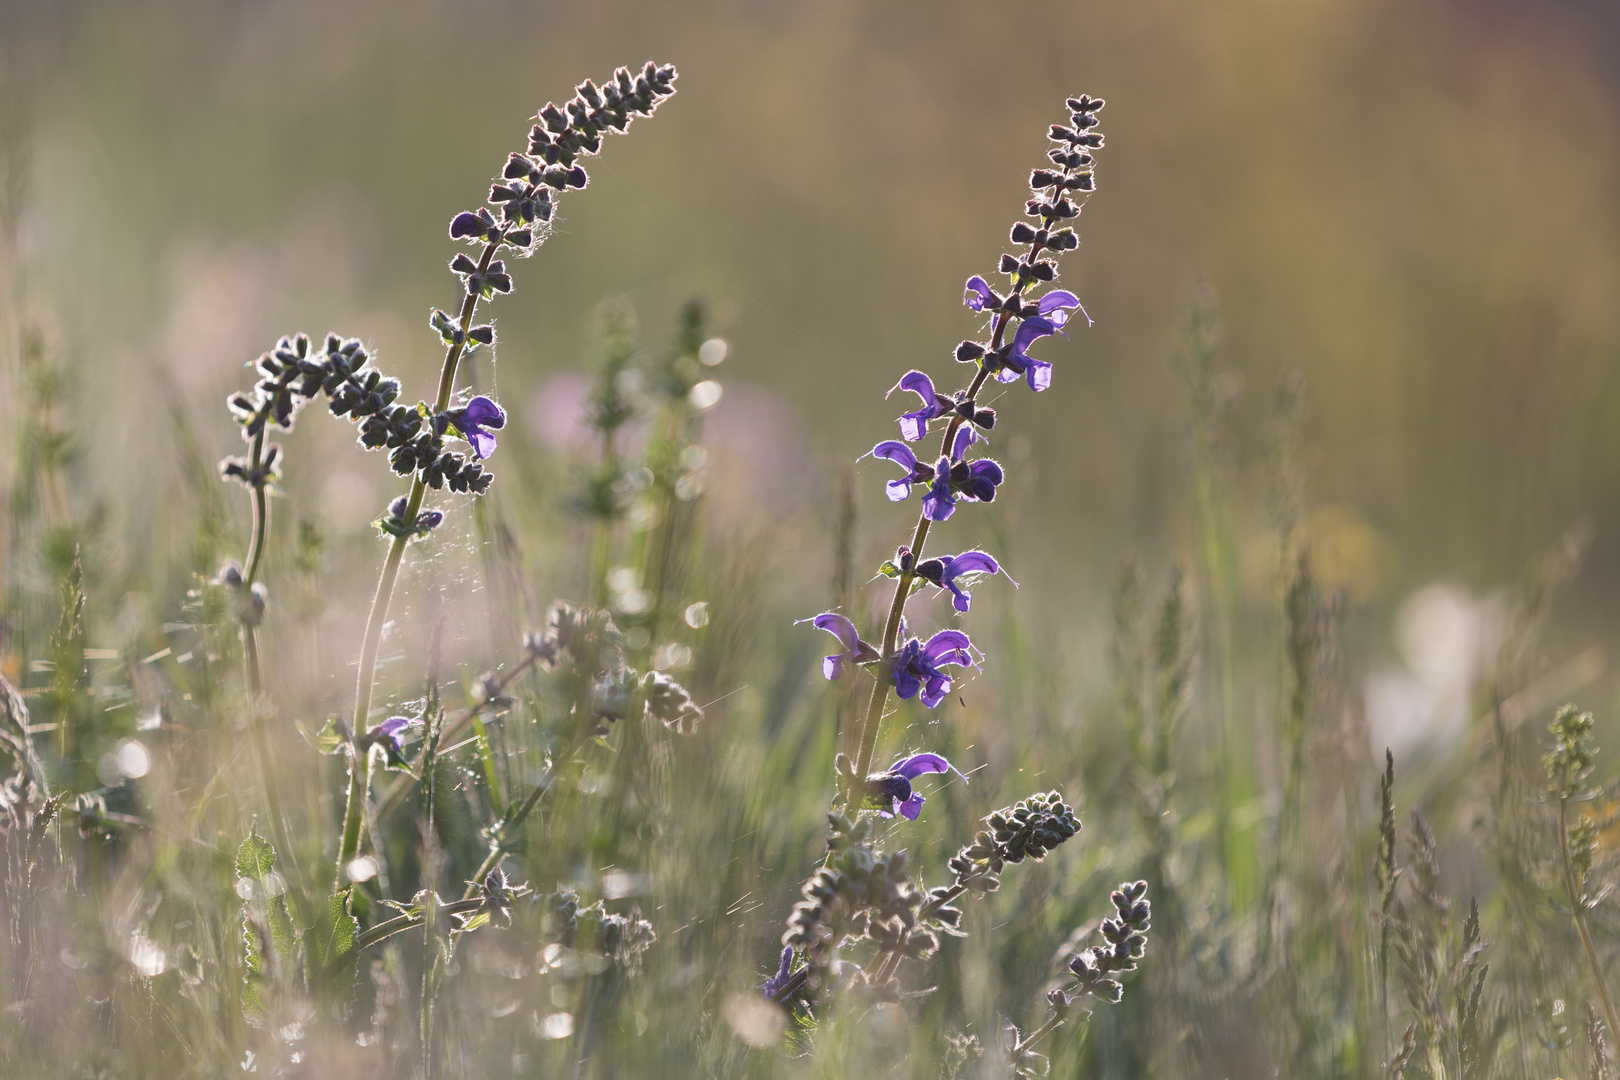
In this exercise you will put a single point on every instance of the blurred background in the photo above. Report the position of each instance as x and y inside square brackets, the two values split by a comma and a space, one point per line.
[1353, 266]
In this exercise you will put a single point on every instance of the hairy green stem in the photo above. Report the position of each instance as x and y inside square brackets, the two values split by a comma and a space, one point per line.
[400, 923]
[261, 528]
[1041, 1032]
[360, 763]
[396, 791]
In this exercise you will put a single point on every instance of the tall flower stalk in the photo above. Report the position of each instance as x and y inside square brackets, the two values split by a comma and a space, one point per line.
[517, 216]
[858, 890]
[1017, 322]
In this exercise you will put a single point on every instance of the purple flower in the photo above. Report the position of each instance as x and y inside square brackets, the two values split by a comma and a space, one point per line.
[1054, 314]
[855, 651]
[774, 984]
[390, 735]
[472, 422]
[892, 789]
[948, 479]
[916, 671]
[914, 425]
[945, 570]
[978, 295]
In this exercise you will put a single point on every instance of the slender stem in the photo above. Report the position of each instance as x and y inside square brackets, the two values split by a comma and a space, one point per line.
[261, 528]
[400, 923]
[1578, 912]
[1041, 1032]
[873, 720]
[360, 764]
[513, 820]
[392, 796]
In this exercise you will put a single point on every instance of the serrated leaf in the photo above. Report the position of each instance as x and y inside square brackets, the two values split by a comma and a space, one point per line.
[268, 934]
[330, 958]
[255, 858]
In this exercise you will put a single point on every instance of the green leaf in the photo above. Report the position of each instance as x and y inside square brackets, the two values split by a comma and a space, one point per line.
[329, 946]
[268, 934]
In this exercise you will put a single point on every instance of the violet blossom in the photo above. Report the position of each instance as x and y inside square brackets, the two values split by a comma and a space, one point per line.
[472, 421]
[948, 479]
[914, 425]
[892, 789]
[390, 735]
[944, 571]
[855, 651]
[1053, 314]
[916, 665]
[775, 983]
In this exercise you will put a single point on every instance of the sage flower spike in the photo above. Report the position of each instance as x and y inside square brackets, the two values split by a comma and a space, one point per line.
[892, 789]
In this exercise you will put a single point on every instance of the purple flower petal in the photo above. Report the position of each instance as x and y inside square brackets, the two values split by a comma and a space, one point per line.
[833, 666]
[918, 764]
[948, 647]
[977, 294]
[1039, 375]
[839, 627]
[966, 436]
[897, 452]
[911, 807]
[1058, 300]
[935, 691]
[918, 383]
[914, 425]
[970, 562]
[482, 412]
[939, 504]
[897, 490]
[1029, 332]
[481, 441]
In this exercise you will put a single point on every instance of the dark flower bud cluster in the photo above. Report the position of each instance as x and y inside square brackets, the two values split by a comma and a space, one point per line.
[873, 892]
[292, 375]
[1028, 829]
[1124, 935]
[496, 893]
[522, 200]
[586, 636]
[394, 522]
[248, 601]
[670, 703]
[621, 938]
[1057, 192]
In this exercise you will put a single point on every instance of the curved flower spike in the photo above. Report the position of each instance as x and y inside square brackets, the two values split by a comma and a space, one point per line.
[944, 571]
[894, 786]
[914, 425]
[472, 421]
[901, 455]
[855, 651]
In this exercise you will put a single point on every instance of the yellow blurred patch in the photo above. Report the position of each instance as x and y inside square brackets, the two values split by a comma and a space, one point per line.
[1350, 555]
